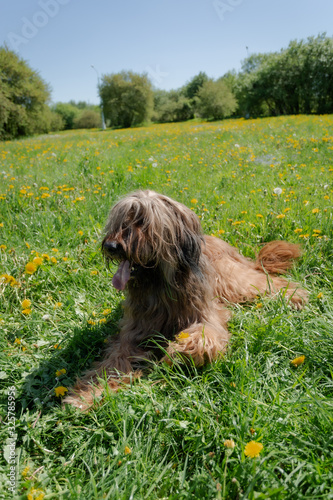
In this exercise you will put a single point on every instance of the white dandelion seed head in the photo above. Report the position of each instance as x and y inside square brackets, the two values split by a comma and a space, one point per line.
[277, 191]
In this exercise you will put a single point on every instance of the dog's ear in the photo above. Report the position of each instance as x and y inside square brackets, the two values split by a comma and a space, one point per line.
[190, 241]
[190, 251]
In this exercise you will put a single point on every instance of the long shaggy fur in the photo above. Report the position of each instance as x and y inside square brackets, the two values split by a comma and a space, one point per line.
[177, 283]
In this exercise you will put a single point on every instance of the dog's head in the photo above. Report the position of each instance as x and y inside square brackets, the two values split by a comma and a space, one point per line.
[147, 230]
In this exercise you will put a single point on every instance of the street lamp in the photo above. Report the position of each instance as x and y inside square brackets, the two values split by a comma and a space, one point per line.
[102, 112]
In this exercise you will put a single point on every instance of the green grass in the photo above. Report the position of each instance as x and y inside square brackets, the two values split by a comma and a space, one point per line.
[164, 436]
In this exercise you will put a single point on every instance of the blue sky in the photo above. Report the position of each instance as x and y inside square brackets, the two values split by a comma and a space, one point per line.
[171, 40]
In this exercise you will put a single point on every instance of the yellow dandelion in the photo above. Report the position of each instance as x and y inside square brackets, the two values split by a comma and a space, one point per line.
[93, 273]
[54, 260]
[38, 261]
[260, 216]
[57, 304]
[280, 216]
[315, 210]
[60, 372]
[106, 312]
[80, 233]
[182, 336]
[320, 295]
[194, 201]
[127, 450]
[25, 471]
[26, 312]
[298, 361]
[298, 230]
[3, 247]
[60, 391]
[25, 304]
[30, 268]
[253, 449]
[17, 341]
[36, 494]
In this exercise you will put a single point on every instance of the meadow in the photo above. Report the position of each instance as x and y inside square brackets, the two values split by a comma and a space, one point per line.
[178, 432]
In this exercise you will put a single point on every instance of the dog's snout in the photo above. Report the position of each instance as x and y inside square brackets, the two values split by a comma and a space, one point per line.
[111, 246]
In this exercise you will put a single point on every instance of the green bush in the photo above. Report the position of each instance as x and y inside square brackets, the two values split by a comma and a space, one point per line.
[68, 113]
[171, 106]
[88, 119]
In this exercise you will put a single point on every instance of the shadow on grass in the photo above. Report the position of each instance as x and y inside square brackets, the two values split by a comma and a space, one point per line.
[74, 355]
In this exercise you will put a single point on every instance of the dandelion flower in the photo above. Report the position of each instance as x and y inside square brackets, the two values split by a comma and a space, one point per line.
[298, 361]
[127, 450]
[60, 391]
[277, 191]
[253, 449]
[30, 268]
[26, 303]
[182, 336]
[60, 372]
[320, 295]
[38, 261]
[194, 201]
[26, 312]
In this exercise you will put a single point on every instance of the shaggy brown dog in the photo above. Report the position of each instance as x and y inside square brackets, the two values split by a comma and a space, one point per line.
[177, 284]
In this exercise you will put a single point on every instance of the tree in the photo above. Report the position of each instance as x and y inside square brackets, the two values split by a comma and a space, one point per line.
[23, 98]
[127, 98]
[215, 101]
[194, 85]
[298, 79]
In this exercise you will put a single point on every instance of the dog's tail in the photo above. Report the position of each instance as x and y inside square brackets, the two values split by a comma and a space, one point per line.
[277, 257]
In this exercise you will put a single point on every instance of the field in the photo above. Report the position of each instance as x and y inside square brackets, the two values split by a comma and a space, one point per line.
[179, 432]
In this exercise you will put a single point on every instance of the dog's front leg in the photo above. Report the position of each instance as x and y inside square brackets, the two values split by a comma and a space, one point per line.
[201, 342]
[115, 369]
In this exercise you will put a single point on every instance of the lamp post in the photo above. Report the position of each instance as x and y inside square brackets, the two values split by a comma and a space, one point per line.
[102, 112]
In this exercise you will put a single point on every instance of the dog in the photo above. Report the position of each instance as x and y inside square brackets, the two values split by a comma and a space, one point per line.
[178, 284]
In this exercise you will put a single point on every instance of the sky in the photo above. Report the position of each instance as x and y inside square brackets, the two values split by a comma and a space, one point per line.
[170, 40]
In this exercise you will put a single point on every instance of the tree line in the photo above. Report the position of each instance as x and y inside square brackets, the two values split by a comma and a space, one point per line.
[298, 79]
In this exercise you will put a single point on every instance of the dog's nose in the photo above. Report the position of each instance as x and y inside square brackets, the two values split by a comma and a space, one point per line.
[111, 246]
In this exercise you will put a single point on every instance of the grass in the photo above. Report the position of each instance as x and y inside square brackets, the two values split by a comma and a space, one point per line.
[164, 437]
